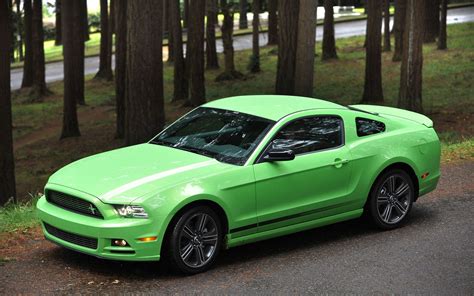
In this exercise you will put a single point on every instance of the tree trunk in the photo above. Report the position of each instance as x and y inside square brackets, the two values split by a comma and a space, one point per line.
[272, 22]
[254, 65]
[20, 30]
[399, 28]
[329, 41]
[105, 57]
[73, 51]
[412, 61]
[145, 115]
[373, 92]
[304, 68]
[39, 83]
[12, 31]
[58, 40]
[28, 64]
[85, 22]
[243, 22]
[386, 26]
[180, 77]
[288, 11]
[185, 13]
[431, 24]
[167, 23]
[7, 166]
[212, 62]
[120, 64]
[442, 40]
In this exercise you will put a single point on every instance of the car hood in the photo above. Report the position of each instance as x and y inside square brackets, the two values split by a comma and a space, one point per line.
[122, 175]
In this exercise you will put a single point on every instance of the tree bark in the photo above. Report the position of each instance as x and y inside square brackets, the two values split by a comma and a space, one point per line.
[304, 68]
[105, 56]
[85, 22]
[329, 41]
[167, 29]
[212, 62]
[185, 13]
[243, 22]
[399, 28]
[58, 40]
[412, 61]
[28, 64]
[20, 30]
[373, 92]
[272, 22]
[442, 40]
[195, 53]
[180, 77]
[39, 82]
[120, 65]
[145, 115]
[288, 11]
[254, 65]
[7, 166]
[386, 26]
[431, 23]
[73, 51]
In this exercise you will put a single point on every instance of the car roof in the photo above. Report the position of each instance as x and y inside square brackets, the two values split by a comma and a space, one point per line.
[272, 107]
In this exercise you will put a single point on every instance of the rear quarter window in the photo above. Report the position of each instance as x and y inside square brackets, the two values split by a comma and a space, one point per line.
[366, 127]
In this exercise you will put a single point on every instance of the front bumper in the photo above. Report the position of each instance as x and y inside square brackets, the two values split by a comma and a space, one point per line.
[104, 230]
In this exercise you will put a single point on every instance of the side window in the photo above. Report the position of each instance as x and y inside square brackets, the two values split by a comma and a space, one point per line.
[367, 127]
[310, 134]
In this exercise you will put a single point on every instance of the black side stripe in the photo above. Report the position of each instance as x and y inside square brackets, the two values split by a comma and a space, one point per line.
[293, 216]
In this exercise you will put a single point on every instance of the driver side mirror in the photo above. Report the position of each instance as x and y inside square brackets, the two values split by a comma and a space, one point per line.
[279, 155]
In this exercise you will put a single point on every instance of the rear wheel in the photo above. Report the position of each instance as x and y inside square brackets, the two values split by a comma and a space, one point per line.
[195, 240]
[391, 199]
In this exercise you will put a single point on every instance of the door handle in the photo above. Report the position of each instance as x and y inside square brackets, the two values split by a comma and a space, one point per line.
[338, 162]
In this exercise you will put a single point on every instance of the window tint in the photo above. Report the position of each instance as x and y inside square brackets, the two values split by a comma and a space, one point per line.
[367, 127]
[310, 134]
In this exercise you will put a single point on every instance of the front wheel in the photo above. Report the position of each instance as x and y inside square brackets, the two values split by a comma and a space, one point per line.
[391, 199]
[195, 240]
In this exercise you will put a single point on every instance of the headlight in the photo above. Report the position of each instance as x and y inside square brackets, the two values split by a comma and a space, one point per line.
[128, 211]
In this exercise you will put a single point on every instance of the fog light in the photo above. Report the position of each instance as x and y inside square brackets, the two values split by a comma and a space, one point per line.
[119, 243]
[148, 239]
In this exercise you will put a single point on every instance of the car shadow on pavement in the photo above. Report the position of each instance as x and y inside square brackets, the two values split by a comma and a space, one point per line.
[341, 233]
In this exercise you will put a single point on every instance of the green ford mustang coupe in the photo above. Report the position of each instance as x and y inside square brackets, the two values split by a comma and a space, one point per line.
[239, 170]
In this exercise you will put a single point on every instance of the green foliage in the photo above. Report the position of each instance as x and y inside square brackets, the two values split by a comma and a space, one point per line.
[18, 216]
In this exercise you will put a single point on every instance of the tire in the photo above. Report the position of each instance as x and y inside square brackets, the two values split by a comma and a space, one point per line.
[391, 199]
[193, 246]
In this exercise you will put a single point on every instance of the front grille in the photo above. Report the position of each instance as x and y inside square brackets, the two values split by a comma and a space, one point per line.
[73, 203]
[76, 239]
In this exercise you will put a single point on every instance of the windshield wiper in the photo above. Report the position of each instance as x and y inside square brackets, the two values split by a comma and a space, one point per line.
[199, 151]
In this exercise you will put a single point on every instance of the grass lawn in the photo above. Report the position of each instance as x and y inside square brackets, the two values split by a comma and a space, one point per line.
[448, 96]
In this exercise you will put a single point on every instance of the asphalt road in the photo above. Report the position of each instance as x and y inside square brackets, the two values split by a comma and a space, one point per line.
[54, 71]
[432, 254]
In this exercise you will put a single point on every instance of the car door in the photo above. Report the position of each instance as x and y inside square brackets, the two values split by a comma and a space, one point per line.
[312, 185]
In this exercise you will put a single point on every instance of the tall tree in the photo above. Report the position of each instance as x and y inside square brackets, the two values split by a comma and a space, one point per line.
[28, 64]
[399, 28]
[304, 68]
[39, 81]
[254, 64]
[180, 77]
[195, 53]
[144, 103]
[386, 26]
[243, 21]
[105, 57]
[412, 61]
[85, 21]
[329, 40]
[288, 11]
[57, 27]
[7, 167]
[272, 22]
[227, 30]
[19, 30]
[373, 92]
[442, 39]
[167, 29]
[73, 51]
[212, 62]
[120, 64]
[431, 24]
[185, 13]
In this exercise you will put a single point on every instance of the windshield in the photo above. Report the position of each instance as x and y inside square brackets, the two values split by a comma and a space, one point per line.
[227, 136]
